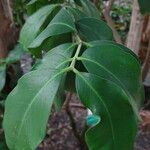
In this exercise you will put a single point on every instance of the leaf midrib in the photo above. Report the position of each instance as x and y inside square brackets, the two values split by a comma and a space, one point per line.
[50, 80]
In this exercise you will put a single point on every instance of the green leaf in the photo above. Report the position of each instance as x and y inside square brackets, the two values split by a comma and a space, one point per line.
[90, 9]
[144, 6]
[57, 58]
[92, 29]
[62, 23]
[50, 43]
[108, 101]
[77, 14]
[34, 5]
[32, 1]
[15, 54]
[2, 76]
[123, 70]
[97, 43]
[33, 25]
[28, 105]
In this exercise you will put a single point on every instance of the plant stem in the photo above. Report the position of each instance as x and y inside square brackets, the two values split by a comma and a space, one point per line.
[77, 52]
[79, 137]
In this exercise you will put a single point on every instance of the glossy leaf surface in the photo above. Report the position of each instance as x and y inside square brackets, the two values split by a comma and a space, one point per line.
[92, 29]
[32, 27]
[101, 97]
[101, 60]
[29, 117]
[61, 23]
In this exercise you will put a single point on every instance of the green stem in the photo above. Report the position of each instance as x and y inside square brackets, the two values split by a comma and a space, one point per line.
[77, 52]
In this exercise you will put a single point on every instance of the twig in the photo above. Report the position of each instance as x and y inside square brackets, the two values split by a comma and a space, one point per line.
[106, 13]
[146, 66]
[77, 106]
[136, 28]
[73, 122]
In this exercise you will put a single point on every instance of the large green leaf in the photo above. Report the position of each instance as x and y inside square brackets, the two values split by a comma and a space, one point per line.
[2, 75]
[122, 70]
[92, 29]
[110, 102]
[32, 27]
[144, 6]
[61, 23]
[25, 123]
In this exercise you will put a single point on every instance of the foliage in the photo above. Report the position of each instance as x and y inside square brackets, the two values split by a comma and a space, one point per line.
[145, 6]
[13, 57]
[106, 76]
[19, 11]
[121, 15]
[10, 72]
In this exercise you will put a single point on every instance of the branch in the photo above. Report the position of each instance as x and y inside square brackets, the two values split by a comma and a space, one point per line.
[7, 9]
[8, 31]
[106, 13]
[136, 27]
[73, 122]
[146, 66]
[74, 105]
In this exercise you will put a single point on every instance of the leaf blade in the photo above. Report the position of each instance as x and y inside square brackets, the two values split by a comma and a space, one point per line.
[34, 96]
[93, 29]
[61, 23]
[102, 101]
[33, 25]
